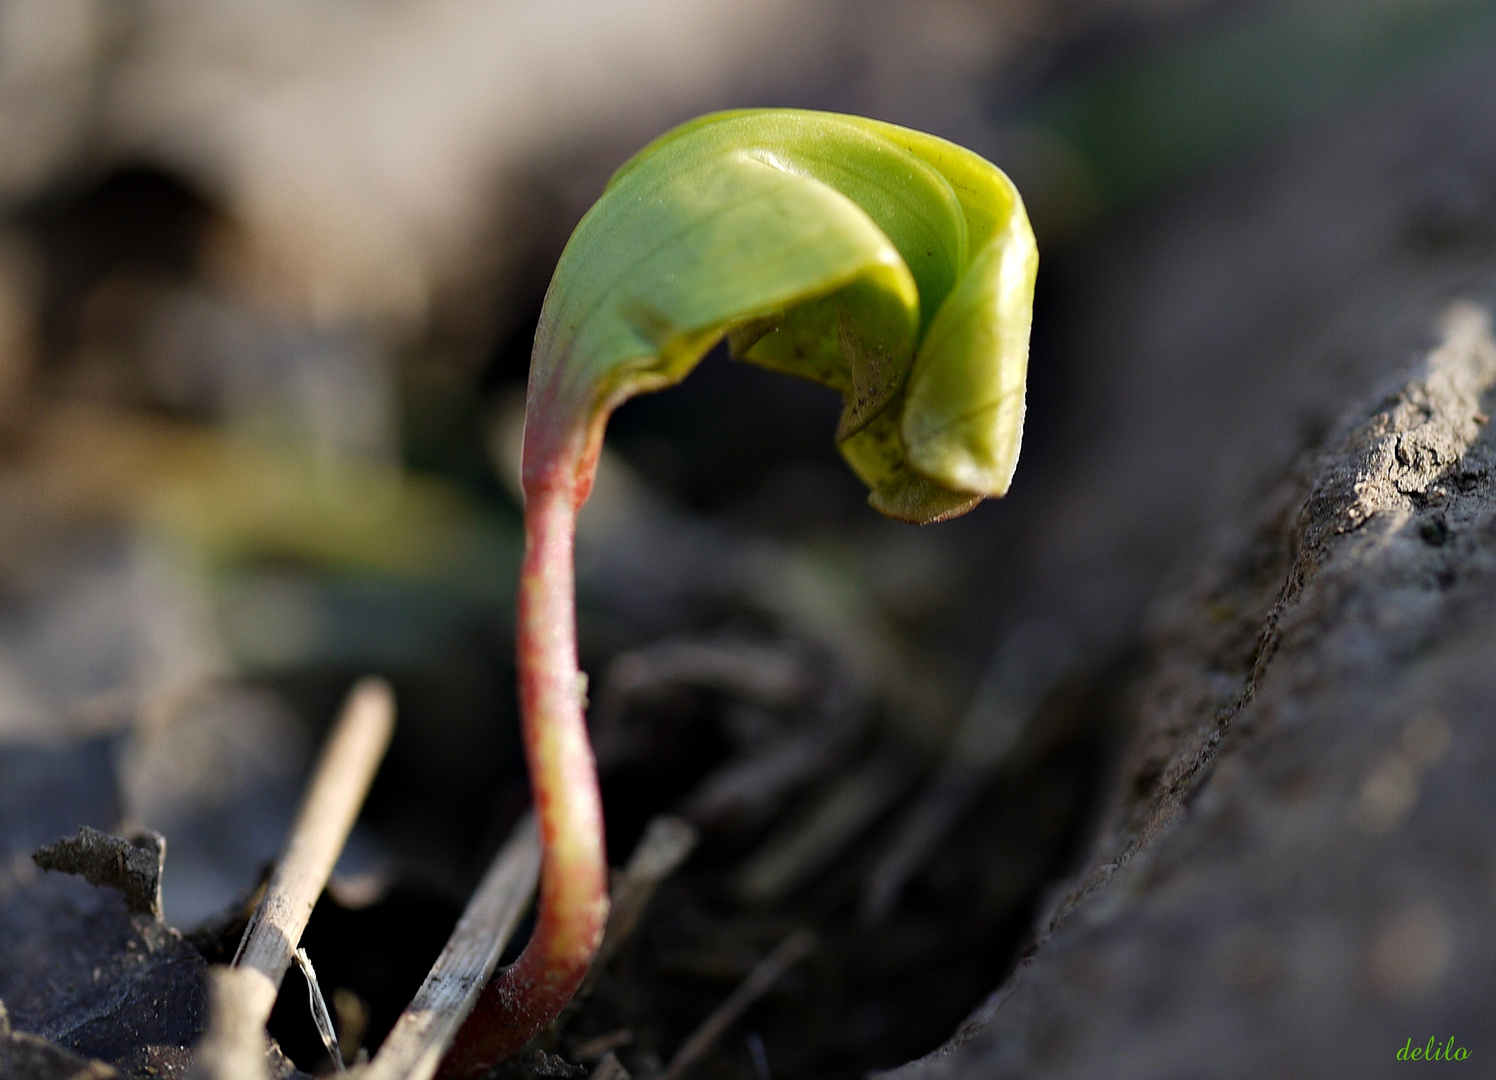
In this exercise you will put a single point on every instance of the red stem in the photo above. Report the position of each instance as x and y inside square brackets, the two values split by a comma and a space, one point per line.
[573, 909]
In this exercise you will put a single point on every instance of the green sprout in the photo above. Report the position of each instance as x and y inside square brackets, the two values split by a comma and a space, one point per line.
[892, 266]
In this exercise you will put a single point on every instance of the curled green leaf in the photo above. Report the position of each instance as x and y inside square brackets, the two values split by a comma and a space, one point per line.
[892, 266]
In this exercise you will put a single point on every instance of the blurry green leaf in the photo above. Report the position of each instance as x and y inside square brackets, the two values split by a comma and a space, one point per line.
[235, 501]
[892, 266]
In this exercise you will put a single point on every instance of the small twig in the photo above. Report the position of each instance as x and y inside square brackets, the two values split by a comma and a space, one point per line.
[792, 857]
[424, 1031]
[599, 1046]
[747, 791]
[951, 793]
[1026, 667]
[609, 1068]
[666, 843]
[759, 981]
[775, 678]
[332, 801]
[320, 1016]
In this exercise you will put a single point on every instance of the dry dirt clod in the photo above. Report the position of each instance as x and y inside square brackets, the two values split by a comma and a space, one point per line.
[132, 866]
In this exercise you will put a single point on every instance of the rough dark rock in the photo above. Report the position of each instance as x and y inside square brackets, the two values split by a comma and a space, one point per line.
[81, 974]
[133, 867]
[44, 791]
[87, 974]
[1295, 869]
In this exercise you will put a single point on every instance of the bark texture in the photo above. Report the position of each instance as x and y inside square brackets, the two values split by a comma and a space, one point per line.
[1296, 864]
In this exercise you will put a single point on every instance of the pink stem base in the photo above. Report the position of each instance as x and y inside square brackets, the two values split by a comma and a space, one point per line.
[573, 908]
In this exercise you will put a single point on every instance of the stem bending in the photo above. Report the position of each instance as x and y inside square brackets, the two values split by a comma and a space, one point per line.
[573, 907]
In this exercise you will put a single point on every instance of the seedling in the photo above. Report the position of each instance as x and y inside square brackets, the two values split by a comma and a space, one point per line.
[892, 266]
